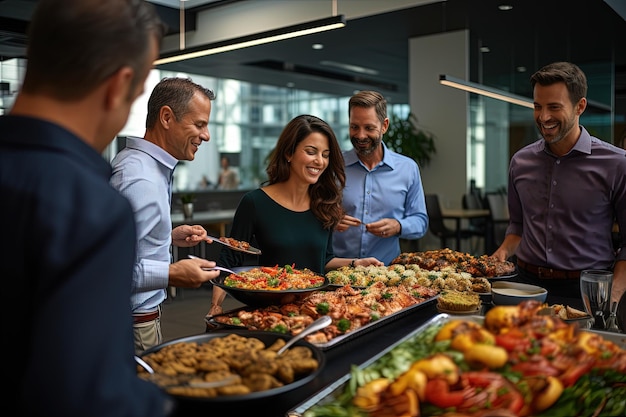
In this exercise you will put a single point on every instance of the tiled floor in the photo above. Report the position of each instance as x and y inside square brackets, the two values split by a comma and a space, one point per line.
[183, 315]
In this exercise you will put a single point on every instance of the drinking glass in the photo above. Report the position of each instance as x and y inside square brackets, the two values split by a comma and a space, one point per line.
[595, 290]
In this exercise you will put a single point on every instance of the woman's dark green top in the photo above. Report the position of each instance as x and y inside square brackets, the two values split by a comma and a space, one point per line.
[284, 237]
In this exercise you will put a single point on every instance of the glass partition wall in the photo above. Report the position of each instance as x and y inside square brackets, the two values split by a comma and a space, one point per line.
[247, 119]
[498, 129]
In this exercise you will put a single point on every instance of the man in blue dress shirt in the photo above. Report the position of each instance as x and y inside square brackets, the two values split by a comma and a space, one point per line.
[176, 125]
[383, 198]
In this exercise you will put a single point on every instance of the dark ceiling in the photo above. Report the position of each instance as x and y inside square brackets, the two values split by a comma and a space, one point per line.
[590, 33]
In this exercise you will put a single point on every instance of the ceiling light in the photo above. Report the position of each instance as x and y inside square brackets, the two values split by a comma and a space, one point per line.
[275, 35]
[350, 67]
[505, 7]
[317, 46]
[486, 91]
[485, 49]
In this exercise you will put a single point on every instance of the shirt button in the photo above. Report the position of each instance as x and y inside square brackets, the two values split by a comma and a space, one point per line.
[553, 182]
[549, 249]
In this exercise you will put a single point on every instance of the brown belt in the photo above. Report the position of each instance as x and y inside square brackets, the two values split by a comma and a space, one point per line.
[145, 317]
[548, 273]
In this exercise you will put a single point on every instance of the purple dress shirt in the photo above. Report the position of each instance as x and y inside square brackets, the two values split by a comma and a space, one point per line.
[565, 207]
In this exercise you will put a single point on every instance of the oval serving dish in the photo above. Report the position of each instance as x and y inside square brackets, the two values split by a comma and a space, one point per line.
[264, 298]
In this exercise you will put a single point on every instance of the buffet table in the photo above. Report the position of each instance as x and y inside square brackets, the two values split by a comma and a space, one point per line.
[339, 360]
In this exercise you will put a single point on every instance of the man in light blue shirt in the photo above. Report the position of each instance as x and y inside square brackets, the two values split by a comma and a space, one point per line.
[176, 125]
[383, 197]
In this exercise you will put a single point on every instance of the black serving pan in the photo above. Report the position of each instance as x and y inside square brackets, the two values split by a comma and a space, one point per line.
[268, 338]
[214, 325]
[264, 298]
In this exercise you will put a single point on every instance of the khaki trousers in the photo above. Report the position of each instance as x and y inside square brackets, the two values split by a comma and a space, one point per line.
[147, 335]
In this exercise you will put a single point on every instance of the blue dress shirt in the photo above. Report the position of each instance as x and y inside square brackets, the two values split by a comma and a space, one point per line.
[393, 189]
[142, 172]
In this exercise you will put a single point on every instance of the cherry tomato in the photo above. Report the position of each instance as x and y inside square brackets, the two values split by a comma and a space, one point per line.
[571, 375]
[513, 341]
[438, 393]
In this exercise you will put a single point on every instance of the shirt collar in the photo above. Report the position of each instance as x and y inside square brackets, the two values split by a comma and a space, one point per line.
[350, 157]
[153, 150]
[582, 145]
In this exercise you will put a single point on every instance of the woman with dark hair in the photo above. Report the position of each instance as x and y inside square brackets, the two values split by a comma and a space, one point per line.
[292, 217]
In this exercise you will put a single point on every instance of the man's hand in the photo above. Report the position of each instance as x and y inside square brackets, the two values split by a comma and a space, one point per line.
[189, 273]
[384, 227]
[186, 235]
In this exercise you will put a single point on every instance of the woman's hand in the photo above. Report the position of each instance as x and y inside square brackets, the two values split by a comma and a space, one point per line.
[368, 261]
[346, 222]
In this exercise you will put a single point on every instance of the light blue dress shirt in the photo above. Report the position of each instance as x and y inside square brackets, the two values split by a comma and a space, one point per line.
[142, 172]
[393, 189]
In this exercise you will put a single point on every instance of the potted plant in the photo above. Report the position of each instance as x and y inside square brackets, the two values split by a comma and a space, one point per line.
[406, 137]
[187, 200]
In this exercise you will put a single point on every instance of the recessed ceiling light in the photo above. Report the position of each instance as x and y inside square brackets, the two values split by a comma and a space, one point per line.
[291, 85]
[505, 7]
[485, 49]
[317, 46]
[520, 69]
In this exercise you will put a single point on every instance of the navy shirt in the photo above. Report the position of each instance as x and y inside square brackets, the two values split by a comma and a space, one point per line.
[68, 246]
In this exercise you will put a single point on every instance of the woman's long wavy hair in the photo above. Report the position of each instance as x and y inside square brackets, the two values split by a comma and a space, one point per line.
[327, 191]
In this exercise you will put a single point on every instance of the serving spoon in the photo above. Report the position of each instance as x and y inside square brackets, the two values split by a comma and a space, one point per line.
[318, 324]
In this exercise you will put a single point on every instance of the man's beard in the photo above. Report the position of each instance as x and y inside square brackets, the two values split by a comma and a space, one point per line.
[562, 131]
[373, 142]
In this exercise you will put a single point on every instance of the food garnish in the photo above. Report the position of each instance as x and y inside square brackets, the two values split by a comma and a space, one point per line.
[274, 279]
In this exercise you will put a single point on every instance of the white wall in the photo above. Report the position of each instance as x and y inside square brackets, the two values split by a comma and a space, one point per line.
[444, 111]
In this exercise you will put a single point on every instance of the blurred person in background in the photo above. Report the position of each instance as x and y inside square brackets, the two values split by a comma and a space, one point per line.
[176, 125]
[291, 219]
[70, 237]
[384, 197]
[229, 179]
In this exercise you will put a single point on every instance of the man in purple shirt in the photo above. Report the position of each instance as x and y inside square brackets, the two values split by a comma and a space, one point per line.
[565, 192]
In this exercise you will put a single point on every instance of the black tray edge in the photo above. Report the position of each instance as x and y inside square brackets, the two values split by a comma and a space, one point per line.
[215, 326]
[299, 410]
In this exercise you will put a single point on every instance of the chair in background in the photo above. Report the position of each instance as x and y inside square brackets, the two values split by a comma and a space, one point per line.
[436, 223]
[499, 218]
[477, 226]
